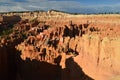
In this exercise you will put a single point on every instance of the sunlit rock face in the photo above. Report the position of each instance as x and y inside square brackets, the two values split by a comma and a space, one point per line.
[59, 46]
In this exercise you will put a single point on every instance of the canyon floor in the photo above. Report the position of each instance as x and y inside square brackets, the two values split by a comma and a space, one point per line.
[59, 46]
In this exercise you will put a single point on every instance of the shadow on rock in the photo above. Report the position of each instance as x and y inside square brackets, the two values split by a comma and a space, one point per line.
[73, 71]
[35, 70]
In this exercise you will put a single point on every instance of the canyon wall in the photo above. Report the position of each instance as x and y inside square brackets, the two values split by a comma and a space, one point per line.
[99, 57]
[3, 63]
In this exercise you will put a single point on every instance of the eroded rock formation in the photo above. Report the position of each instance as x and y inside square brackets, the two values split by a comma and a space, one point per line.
[44, 46]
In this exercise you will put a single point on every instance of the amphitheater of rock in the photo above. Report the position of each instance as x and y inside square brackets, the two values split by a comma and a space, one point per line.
[59, 46]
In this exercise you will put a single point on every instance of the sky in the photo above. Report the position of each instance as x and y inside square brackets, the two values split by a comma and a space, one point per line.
[72, 6]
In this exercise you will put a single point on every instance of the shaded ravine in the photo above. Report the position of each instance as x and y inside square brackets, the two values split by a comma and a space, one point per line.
[8, 54]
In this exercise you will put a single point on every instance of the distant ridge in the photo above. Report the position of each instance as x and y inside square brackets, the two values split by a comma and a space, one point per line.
[35, 11]
[53, 10]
